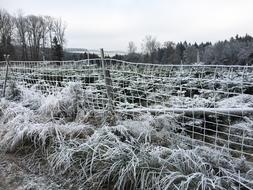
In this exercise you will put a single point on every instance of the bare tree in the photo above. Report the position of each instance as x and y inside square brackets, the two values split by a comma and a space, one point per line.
[131, 47]
[6, 30]
[59, 28]
[150, 45]
[50, 26]
[35, 34]
[6, 23]
[169, 44]
[21, 33]
[45, 35]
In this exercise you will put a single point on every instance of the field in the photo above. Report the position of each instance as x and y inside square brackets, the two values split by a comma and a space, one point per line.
[111, 124]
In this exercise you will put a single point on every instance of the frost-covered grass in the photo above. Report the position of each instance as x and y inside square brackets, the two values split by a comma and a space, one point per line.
[239, 101]
[57, 135]
[15, 177]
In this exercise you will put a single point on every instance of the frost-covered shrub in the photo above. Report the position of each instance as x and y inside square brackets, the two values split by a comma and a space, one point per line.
[113, 158]
[94, 151]
[12, 92]
[63, 104]
[239, 101]
[31, 98]
[40, 135]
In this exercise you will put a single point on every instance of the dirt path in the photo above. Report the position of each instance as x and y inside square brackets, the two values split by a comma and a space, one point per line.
[14, 177]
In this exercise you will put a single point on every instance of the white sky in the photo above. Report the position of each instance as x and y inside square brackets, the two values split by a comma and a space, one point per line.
[111, 24]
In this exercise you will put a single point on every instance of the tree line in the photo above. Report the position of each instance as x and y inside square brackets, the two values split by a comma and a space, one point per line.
[31, 37]
[237, 50]
[36, 37]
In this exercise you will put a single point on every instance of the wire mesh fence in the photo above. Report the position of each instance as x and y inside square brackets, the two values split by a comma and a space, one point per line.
[212, 104]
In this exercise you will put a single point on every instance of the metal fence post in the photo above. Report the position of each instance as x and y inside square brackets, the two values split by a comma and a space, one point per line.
[108, 82]
[6, 73]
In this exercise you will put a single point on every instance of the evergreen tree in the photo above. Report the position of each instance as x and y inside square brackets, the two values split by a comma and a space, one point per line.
[57, 50]
[180, 48]
[6, 47]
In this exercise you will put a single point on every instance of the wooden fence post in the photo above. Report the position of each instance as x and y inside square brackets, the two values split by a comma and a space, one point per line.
[6, 73]
[198, 57]
[108, 82]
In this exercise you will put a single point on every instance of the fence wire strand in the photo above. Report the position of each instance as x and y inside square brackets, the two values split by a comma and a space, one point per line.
[213, 104]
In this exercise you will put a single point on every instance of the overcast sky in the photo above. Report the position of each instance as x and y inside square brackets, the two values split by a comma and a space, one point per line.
[111, 24]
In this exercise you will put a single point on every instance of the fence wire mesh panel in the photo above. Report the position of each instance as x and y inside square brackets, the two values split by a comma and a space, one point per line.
[52, 76]
[2, 71]
[211, 104]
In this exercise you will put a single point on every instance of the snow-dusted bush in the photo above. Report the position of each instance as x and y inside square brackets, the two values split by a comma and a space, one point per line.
[12, 92]
[63, 104]
[83, 150]
[239, 101]
[113, 158]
